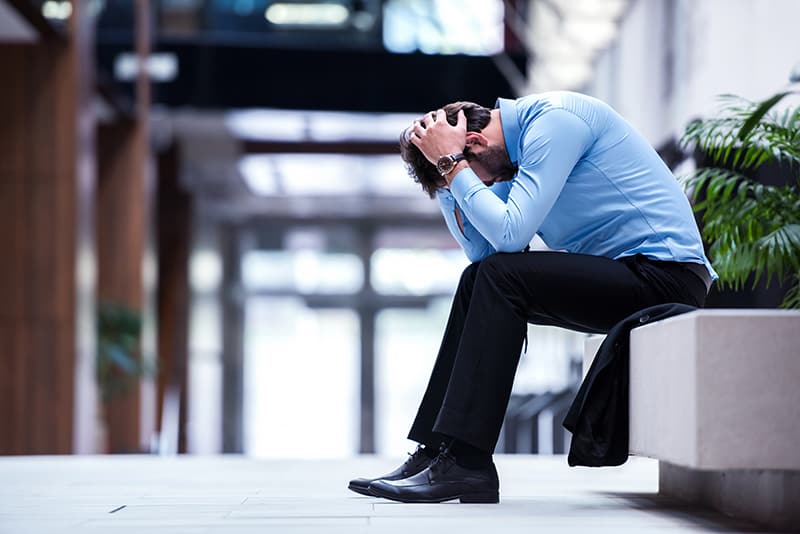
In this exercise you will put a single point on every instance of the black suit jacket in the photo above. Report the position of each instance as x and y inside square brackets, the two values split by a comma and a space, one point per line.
[598, 417]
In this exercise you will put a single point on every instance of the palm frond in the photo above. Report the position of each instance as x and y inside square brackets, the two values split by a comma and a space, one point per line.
[792, 298]
[747, 134]
[754, 229]
[758, 114]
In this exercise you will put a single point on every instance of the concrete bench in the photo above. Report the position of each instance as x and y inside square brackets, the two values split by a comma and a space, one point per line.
[715, 397]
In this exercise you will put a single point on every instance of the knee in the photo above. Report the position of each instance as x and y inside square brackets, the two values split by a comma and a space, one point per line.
[499, 272]
[501, 276]
[469, 275]
[494, 265]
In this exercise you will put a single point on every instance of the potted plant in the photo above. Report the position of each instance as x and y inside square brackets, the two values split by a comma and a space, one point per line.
[753, 229]
[119, 363]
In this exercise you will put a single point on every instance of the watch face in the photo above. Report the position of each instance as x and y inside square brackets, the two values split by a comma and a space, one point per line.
[445, 164]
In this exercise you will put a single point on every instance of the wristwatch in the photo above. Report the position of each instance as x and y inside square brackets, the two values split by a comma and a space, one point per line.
[447, 163]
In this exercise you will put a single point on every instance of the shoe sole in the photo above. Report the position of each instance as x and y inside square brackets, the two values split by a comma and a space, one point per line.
[468, 498]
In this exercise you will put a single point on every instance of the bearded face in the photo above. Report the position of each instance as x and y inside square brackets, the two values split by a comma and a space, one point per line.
[491, 164]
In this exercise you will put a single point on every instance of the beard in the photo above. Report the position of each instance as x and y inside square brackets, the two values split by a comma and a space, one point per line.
[495, 162]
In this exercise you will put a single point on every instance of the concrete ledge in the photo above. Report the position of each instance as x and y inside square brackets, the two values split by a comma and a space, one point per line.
[769, 497]
[714, 397]
[718, 389]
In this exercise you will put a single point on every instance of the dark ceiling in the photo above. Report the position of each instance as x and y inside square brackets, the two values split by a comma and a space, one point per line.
[237, 62]
[224, 76]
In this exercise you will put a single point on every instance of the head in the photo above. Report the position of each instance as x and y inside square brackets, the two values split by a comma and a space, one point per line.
[486, 155]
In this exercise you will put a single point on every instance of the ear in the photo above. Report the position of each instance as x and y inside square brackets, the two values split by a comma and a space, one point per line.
[476, 139]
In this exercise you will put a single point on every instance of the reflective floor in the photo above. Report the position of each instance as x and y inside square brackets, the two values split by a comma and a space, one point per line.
[234, 494]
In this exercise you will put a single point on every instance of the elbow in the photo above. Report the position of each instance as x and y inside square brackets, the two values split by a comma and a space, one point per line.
[509, 243]
[511, 248]
[511, 236]
[477, 255]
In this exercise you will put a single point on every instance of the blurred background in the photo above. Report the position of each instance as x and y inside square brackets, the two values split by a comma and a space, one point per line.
[210, 241]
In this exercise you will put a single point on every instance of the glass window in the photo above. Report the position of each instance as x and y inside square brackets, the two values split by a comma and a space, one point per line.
[407, 342]
[546, 365]
[472, 27]
[205, 325]
[304, 271]
[417, 271]
[331, 175]
[301, 380]
[205, 374]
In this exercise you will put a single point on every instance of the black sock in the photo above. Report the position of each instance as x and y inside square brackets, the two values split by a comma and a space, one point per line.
[469, 457]
[431, 451]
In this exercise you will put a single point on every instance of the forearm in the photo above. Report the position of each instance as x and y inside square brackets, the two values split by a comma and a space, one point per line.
[507, 224]
[475, 246]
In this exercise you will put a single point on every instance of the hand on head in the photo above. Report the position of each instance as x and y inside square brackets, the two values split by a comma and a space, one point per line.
[435, 137]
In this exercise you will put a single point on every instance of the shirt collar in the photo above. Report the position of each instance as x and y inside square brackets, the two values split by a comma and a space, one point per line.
[510, 123]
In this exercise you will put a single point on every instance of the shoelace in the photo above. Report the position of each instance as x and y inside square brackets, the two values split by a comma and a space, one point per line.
[415, 456]
[443, 461]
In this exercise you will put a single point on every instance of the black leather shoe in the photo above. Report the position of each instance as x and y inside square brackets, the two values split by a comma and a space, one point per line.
[415, 463]
[443, 480]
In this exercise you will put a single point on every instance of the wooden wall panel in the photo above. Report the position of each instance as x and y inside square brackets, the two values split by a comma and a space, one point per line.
[123, 231]
[121, 236]
[42, 110]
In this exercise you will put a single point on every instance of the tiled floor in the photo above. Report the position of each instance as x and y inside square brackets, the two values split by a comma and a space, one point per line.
[230, 494]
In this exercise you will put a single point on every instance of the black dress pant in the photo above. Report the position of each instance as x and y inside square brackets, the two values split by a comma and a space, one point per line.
[471, 381]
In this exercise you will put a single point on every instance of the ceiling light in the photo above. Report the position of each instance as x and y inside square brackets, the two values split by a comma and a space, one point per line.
[53, 9]
[160, 67]
[326, 14]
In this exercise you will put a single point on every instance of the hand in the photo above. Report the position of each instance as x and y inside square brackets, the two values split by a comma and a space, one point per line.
[435, 137]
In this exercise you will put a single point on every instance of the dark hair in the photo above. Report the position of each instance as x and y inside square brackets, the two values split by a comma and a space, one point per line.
[423, 171]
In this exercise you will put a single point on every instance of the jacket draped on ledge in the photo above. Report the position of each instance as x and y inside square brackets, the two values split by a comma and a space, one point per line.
[598, 417]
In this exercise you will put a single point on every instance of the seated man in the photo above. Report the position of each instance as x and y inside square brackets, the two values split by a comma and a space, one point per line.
[568, 168]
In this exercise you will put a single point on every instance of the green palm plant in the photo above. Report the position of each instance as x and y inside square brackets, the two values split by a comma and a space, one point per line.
[119, 365]
[753, 229]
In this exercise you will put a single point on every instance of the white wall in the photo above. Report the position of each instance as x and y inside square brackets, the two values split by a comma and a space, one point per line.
[673, 57]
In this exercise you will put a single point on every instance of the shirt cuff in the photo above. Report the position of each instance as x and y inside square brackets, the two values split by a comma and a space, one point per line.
[464, 184]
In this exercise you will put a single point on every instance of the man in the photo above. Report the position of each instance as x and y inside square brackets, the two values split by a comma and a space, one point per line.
[566, 167]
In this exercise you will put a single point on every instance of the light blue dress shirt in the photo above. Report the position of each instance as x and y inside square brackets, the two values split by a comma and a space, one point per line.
[587, 183]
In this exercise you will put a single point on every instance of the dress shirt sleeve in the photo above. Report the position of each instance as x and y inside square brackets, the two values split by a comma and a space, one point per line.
[550, 147]
[475, 246]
